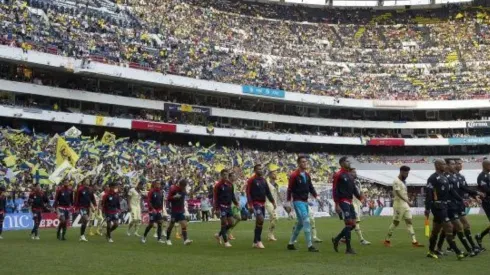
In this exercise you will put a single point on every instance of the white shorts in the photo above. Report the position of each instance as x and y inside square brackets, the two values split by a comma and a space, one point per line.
[402, 214]
[136, 214]
[270, 210]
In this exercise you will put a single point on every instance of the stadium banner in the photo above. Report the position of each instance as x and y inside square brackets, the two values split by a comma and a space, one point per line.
[176, 108]
[386, 142]
[252, 90]
[478, 124]
[153, 126]
[395, 103]
[469, 141]
[419, 211]
[24, 221]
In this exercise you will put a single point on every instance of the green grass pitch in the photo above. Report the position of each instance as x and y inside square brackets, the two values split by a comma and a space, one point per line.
[21, 255]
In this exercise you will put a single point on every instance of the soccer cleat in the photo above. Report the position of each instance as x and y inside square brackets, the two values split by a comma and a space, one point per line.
[231, 237]
[187, 242]
[99, 233]
[472, 254]
[143, 240]
[476, 250]
[350, 251]
[178, 236]
[91, 233]
[439, 253]
[432, 254]
[387, 243]
[335, 245]
[83, 239]
[272, 238]
[138, 235]
[461, 256]
[227, 244]
[161, 241]
[169, 242]
[313, 249]
[364, 242]
[37, 238]
[317, 240]
[218, 238]
[1, 238]
[128, 233]
[479, 241]
[155, 235]
[416, 244]
[258, 245]
[291, 247]
[110, 240]
[449, 250]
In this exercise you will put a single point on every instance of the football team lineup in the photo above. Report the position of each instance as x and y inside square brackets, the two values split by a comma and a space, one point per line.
[444, 200]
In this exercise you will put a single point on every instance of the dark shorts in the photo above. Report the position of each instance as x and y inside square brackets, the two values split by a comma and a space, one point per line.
[486, 207]
[84, 212]
[63, 213]
[461, 209]
[2, 216]
[348, 212]
[37, 215]
[225, 212]
[259, 210]
[177, 217]
[112, 217]
[155, 217]
[440, 213]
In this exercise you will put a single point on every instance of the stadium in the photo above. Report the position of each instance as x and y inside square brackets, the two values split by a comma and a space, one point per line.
[146, 94]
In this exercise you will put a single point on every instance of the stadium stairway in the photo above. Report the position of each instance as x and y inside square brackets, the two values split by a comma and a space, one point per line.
[337, 35]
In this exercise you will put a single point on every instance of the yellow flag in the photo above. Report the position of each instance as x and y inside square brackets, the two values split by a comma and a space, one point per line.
[10, 161]
[65, 152]
[99, 120]
[427, 228]
[108, 138]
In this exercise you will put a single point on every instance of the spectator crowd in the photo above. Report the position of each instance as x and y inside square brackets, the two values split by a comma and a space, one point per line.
[401, 55]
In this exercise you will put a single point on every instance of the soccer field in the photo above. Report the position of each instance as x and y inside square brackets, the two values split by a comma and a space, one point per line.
[21, 255]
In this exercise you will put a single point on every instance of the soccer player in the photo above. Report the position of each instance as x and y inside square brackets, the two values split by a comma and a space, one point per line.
[344, 190]
[438, 194]
[235, 210]
[38, 201]
[224, 195]
[96, 216]
[63, 202]
[84, 198]
[176, 199]
[462, 190]
[257, 192]
[453, 205]
[111, 207]
[299, 188]
[483, 181]
[3, 206]
[134, 204]
[155, 208]
[358, 208]
[401, 207]
[269, 207]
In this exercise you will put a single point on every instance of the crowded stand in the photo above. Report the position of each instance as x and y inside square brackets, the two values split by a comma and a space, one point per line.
[400, 55]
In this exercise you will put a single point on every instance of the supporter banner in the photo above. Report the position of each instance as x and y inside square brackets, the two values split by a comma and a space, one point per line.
[386, 142]
[469, 141]
[172, 107]
[251, 90]
[478, 124]
[153, 126]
